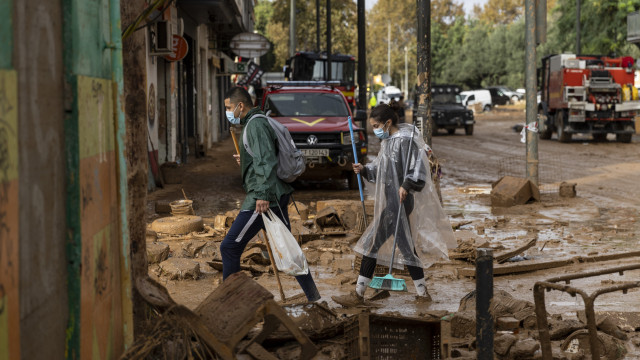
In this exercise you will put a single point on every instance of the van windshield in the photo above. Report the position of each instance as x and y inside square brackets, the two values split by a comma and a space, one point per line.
[306, 104]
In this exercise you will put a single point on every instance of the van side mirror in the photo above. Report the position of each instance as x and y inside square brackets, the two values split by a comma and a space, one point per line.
[287, 71]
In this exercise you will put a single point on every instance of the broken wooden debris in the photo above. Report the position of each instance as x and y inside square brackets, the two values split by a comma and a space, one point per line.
[626, 321]
[533, 265]
[235, 307]
[328, 221]
[254, 269]
[502, 257]
[510, 191]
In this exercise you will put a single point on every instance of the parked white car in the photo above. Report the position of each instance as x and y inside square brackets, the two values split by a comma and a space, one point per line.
[472, 97]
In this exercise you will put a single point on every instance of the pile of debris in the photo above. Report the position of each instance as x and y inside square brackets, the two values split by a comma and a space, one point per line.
[186, 246]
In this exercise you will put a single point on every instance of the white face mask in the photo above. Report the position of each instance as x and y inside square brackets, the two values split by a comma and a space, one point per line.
[231, 116]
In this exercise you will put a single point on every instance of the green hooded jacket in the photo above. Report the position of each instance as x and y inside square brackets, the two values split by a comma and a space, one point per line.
[259, 177]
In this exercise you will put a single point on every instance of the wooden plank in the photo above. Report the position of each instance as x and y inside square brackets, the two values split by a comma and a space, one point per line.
[526, 266]
[517, 268]
[508, 255]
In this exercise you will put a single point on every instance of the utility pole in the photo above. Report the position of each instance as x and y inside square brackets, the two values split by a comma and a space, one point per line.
[578, 50]
[406, 73]
[362, 59]
[318, 26]
[423, 115]
[328, 39]
[292, 29]
[530, 85]
[388, 49]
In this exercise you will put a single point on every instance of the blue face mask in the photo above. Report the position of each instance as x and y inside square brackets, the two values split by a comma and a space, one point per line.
[231, 116]
[381, 133]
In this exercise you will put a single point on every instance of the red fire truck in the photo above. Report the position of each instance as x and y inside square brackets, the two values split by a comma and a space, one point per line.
[312, 66]
[587, 94]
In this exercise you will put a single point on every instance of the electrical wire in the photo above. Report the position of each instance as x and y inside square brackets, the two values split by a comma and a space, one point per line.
[152, 21]
[131, 28]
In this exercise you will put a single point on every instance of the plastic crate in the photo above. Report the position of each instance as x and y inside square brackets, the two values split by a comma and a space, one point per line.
[370, 336]
[380, 270]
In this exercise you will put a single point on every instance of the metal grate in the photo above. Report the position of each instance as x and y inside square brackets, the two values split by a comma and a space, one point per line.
[371, 336]
[550, 173]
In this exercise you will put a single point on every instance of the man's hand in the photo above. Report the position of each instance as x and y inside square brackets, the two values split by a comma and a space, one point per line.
[403, 194]
[262, 206]
[357, 168]
[237, 157]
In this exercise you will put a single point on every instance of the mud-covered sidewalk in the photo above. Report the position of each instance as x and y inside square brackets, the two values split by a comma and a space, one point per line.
[596, 229]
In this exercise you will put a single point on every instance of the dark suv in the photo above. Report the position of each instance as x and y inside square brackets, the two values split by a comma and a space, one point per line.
[498, 96]
[447, 111]
[315, 113]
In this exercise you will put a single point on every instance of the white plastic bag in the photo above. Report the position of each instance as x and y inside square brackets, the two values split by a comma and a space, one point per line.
[287, 254]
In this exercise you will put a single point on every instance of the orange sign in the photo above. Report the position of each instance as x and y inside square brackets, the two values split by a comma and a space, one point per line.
[179, 48]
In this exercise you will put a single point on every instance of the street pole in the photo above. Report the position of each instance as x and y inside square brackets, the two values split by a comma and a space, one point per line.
[406, 73]
[362, 58]
[318, 26]
[484, 296]
[388, 49]
[328, 39]
[578, 50]
[292, 29]
[530, 85]
[423, 115]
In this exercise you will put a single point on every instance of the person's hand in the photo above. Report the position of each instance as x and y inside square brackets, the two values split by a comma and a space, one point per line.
[403, 194]
[357, 168]
[237, 157]
[262, 206]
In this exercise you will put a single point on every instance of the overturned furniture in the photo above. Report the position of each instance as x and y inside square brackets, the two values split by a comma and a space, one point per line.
[235, 307]
[589, 300]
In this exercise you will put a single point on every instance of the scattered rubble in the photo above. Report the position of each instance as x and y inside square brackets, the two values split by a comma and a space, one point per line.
[567, 190]
[157, 252]
[510, 191]
[179, 269]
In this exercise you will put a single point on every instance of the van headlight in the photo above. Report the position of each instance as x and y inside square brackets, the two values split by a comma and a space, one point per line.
[346, 138]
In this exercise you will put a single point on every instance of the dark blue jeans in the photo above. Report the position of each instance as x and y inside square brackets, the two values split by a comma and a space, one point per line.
[244, 228]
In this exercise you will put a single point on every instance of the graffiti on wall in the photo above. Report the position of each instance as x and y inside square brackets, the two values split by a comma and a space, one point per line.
[101, 305]
[9, 261]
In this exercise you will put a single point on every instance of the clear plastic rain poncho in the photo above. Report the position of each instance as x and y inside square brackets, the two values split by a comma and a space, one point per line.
[425, 235]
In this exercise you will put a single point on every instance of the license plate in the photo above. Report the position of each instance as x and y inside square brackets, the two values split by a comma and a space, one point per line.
[315, 152]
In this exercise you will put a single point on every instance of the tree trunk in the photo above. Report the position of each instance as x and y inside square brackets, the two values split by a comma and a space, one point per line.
[135, 110]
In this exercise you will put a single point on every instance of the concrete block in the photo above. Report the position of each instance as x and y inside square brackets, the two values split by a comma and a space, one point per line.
[463, 323]
[524, 349]
[567, 190]
[157, 252]
[192, 248]
[502, 344]
[180, 268]
[510, 191]
[304, 210]
[506, 323]
[347, 210]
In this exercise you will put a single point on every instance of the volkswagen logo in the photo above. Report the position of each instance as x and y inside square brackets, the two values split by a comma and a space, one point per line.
[312, 140]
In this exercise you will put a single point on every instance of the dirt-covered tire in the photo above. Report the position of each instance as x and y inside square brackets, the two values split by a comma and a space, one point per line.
[563, 136]
[548, 129]
[468, 130]
[623, 138]
[486, 108]
[451, 131]
[599, 137]
[514, 99]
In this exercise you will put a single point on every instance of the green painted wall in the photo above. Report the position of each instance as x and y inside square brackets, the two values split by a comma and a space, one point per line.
[6, 33]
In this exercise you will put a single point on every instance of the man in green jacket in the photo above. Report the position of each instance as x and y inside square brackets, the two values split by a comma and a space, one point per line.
[263, 187]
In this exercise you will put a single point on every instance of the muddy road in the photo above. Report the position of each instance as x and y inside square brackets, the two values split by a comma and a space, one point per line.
[603, 219]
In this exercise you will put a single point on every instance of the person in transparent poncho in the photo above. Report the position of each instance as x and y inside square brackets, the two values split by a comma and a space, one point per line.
[424, 234]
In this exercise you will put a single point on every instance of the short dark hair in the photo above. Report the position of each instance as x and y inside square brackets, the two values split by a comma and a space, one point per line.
[238, 94]
[384, 112]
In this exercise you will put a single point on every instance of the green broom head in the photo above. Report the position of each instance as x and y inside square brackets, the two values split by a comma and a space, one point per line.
[388, 282]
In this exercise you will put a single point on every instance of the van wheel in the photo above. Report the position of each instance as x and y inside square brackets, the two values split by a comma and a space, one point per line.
[486, 108]
[623, 138]
[514, 99]
[468, 130]
[451, 131]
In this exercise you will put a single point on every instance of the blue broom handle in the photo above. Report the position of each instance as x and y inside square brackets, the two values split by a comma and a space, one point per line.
[406, 170]
[355, 157]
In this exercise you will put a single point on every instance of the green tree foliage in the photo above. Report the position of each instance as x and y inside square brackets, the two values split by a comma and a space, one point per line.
[485, 48]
